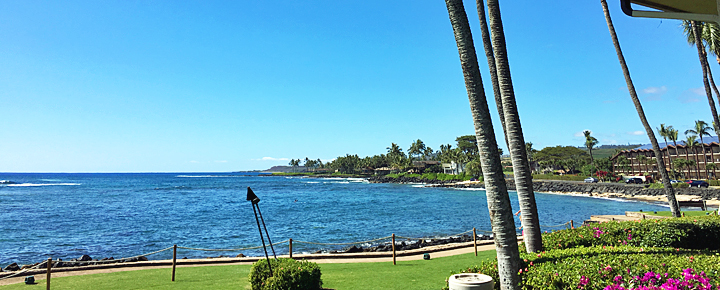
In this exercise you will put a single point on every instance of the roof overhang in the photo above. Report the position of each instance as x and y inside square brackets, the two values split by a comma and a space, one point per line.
[698, 10]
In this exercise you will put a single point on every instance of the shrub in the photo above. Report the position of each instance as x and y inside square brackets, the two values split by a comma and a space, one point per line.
[288, 274]
[600, 267]
[714, 182]
[559, 177]
[659, 185]
[688, 233]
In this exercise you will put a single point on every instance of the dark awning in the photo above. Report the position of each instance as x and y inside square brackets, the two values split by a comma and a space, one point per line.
[700, 10]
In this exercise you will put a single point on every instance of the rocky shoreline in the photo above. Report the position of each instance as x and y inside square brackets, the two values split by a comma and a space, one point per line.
[400, 245]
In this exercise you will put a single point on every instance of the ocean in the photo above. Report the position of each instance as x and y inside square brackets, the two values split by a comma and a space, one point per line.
[66, 215]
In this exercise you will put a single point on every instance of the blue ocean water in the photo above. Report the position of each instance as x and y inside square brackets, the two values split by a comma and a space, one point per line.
[120, 215]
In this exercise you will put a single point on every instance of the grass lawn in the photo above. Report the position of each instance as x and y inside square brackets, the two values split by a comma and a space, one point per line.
[420, 274]
[686, 212]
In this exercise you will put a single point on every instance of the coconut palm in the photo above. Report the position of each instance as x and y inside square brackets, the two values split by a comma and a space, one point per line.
[513, 129]
[692, 144]
[490, 55]
[664, 131]
[702, 129]
[417, 148]
[669, 191]
[695, 28]
[590, 142]
[673, 135]
[501, 216]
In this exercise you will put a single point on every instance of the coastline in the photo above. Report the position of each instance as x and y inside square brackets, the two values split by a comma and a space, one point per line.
[617, 191]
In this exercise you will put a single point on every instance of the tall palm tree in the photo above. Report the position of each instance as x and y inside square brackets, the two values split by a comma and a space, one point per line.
[590, 142]
[490, 55]
[669, 191]
[702, 129]
[513, 130]
[702, 55]
[501, 216]
[709, 34]
[664, 131]
[690, 144]
[642, 160]
[673, 135]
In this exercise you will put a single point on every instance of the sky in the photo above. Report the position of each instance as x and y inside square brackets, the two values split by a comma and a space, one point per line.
[218, 86]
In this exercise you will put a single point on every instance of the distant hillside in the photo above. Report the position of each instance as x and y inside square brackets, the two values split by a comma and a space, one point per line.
[282, 168]
[606, 151]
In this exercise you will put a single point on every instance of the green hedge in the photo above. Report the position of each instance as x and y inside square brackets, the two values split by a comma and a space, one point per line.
[433, 176]
[599, 267]
[559, 177]
[687, 233]
[714, 182]
[612, 253]
[659, 185]
[288, 274]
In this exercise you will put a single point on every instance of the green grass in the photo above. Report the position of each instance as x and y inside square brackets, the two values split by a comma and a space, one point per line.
[420, 274]
[687, 213]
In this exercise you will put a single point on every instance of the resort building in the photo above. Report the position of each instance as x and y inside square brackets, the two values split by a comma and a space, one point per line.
[642, 160]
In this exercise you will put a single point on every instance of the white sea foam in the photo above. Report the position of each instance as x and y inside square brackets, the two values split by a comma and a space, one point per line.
[41, 184]
[469, 188]
[312, 182]
[205, 176]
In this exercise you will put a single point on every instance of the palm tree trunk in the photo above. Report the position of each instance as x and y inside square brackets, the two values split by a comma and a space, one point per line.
[501, 216]
[706, 71]
[669, 191]
[677, 154]
[667, 152]
[513, 130]
[490, 55]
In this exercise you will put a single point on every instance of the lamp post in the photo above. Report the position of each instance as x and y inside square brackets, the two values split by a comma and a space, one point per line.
[255, 200]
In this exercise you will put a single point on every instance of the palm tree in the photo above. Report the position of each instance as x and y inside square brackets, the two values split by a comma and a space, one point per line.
[642, 160]
[673, 135]
[530, 151]
[663, 131]
[513, 131]
[417, 148]
[490, 55]
[669, 191]
[590, 142]
[695, 27]
[701, 128]
[501, 216]
[691, 143]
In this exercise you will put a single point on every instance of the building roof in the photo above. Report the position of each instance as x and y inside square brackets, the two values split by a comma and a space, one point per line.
[706, 140]
[700, 10]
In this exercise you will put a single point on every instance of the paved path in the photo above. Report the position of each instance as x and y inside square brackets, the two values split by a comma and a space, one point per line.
[417, 254]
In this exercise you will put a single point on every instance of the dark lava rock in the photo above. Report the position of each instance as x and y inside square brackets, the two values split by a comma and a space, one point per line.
[85, 258]
[240, 255]
[108, 259]
[318, 252]
[354, 249]
[12, 267]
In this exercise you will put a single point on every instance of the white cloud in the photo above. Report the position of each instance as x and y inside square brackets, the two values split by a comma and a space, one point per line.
[655, 90]
[698, 91]
[272, 159]
[636, 133]
[580, 134]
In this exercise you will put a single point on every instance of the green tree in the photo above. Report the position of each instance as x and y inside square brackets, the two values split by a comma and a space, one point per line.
[696, 29]
[673, 136]
[294, 163]
[623, 163]
[665, 132]
[684, 164]
[559, 156]
[690, 144]
[669, 191]
[590, 142]
[702, 129]
[501, 215]
[417, 148]
[604, 164]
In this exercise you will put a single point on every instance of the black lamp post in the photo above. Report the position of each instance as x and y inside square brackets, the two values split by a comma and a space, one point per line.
[255, 200]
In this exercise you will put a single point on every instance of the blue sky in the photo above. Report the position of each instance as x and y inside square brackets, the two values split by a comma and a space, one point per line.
[194, 86]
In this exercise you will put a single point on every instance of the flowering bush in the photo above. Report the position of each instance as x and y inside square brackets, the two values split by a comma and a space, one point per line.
[652, 281]
[687, 233]
[599, 267]
[287, 274]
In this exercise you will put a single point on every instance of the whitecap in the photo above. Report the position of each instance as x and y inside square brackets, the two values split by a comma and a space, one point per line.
[41, 184]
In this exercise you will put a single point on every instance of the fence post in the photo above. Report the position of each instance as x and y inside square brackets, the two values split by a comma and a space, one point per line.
[393, 247]
[475, 241]
[572, 224]
[49, 266]
[290, 248]
[174, 261]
